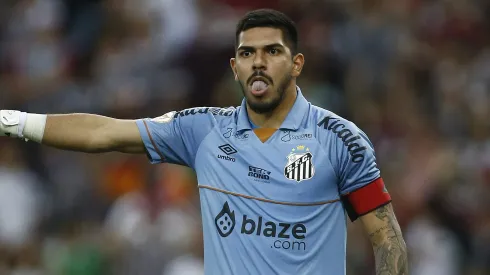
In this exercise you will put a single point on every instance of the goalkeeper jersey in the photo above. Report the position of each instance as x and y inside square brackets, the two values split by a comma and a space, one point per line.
[273, 201]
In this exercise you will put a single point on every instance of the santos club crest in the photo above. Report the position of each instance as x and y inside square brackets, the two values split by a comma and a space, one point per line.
[300, 164]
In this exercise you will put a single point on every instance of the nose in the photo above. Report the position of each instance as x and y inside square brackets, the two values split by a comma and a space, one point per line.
[259, 61]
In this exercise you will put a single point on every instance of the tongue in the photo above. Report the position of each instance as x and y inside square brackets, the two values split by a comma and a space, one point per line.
[259, 86]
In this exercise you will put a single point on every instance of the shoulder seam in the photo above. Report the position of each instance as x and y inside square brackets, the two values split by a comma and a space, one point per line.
[319, 129]
[326, 154]
[200, 143]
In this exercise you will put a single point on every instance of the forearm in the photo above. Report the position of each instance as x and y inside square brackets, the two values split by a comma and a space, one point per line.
[391, 257]
[390, 250]
[75, 132]
[80, 132]
[391, 261]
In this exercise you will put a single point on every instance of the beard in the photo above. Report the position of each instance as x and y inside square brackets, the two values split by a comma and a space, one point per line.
[269, 104]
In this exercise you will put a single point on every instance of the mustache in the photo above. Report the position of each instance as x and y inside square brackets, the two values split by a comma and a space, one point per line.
[261, 74]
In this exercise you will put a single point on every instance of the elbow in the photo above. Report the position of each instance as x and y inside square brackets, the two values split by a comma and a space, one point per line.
[114, 136]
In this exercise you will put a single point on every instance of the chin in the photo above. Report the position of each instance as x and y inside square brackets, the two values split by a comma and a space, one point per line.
[263, 99]
[262, 106]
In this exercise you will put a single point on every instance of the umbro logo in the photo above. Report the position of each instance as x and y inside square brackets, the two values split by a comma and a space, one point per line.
[228, 150]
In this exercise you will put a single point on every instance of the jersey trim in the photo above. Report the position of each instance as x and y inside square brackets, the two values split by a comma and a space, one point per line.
[268, 200]
[366, 199]
[264, 133]
[162, 157]
[293, 121]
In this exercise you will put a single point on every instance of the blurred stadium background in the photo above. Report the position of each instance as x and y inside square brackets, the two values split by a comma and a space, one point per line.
[414, 74]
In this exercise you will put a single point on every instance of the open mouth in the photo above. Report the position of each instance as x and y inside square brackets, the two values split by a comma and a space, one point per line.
[259, 85]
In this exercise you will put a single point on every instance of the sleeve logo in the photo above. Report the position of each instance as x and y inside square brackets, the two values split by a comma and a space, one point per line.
[348, 138]
[204, 110]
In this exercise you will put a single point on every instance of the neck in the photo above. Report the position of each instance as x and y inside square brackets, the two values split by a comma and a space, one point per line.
[276, 117]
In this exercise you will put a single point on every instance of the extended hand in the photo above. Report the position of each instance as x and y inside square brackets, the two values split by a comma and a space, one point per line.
[10, 123]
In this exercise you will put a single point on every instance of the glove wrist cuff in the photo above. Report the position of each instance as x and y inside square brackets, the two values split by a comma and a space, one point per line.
[22, 125]
[12, 122]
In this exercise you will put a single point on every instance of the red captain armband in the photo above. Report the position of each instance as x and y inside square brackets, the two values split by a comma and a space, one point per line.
[366, 199]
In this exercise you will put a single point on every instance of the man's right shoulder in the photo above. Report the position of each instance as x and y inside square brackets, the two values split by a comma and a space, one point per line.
[217, 112]
[200, 116]
[176, 136]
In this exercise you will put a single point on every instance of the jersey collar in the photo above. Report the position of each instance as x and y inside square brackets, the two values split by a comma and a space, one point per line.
[293, 119]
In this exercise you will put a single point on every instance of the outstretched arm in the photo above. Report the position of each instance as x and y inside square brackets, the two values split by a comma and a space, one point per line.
[76, 132]
[92, 133]
[386, 237]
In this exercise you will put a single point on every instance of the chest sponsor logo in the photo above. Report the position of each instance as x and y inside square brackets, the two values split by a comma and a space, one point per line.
[225, 221]
[299, 164]
[258, 174]
[237, 135]
[284, 236]
[228, 133]
[287, 136]
[242, 136]
[228, 150]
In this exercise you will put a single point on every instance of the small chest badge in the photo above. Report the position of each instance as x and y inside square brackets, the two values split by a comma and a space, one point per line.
[300, 164]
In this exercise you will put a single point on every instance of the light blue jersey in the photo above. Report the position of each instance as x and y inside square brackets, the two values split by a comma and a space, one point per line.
[270, 207]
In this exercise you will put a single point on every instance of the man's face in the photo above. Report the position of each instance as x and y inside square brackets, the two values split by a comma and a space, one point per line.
[264, 67]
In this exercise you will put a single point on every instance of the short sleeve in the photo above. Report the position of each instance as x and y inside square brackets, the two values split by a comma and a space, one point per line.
[176, 136]
[357, 160]
[360, 184]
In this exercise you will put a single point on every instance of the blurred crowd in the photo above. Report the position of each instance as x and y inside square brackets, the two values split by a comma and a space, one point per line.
[413, 74]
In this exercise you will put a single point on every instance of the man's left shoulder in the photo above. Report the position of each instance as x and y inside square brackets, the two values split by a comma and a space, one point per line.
[332, 127]
[330, 121]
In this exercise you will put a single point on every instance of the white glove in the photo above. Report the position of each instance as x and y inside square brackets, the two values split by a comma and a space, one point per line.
[12, 123]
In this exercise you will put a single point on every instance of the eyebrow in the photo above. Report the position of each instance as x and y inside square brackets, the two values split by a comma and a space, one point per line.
[269, 46]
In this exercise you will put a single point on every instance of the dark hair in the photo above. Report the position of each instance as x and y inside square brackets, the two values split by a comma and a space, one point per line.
[269, 18]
